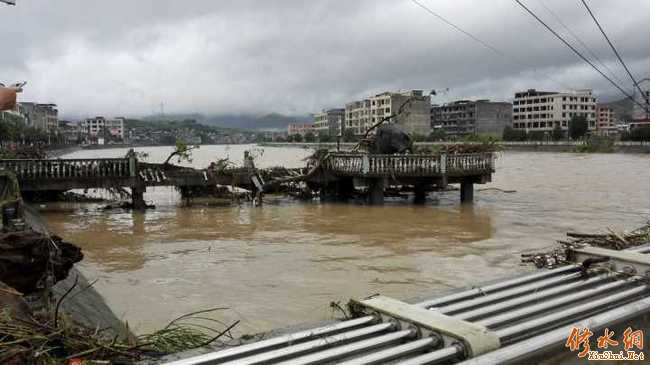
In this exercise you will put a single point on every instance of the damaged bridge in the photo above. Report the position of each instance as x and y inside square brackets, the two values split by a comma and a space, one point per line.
[335, 176]
[104, 173]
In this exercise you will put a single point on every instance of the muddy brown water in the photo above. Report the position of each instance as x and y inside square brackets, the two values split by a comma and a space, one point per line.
[283, 263]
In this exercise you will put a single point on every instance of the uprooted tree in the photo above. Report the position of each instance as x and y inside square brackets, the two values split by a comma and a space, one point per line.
[182, 151]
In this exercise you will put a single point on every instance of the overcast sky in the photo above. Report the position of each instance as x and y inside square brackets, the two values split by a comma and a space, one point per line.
[125, 57]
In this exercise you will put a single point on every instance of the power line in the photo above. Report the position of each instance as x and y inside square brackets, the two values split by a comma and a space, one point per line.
[612, 45]
[482, 42]
[578, 53]
[579, 40]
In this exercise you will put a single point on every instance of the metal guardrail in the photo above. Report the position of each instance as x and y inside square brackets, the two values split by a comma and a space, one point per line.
[529, 315]
[358, 164]
[67, 169]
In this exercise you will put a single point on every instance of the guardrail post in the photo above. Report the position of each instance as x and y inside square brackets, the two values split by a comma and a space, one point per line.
[133, 165]
[443, 169]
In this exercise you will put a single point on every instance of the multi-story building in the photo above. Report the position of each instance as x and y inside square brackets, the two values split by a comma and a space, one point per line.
[300, 128]
[605, 120]
[275, 135]
[464, 117]
[641, 111]
[44, 117]
[101, 128]
[357, 114]
[329, 122]
[69, 132]
[415, 117]
[534, 110]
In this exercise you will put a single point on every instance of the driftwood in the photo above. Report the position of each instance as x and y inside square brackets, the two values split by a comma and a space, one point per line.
[557, 256]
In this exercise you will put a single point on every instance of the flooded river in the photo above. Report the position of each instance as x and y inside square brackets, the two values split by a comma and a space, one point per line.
[283, 263]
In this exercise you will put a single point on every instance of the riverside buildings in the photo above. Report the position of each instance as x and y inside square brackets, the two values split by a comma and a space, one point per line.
[44, 117]
[300, 128]
[534, 110]
[99, 129]
[415, 117]
[329, 122]
[605, 120]
[465, 117]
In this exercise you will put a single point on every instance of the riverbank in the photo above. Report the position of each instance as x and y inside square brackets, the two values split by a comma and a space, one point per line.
[86, 306]
[618, 147]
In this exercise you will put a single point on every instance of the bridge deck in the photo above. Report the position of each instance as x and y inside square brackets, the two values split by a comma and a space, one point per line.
[364, 165]
[66, 174]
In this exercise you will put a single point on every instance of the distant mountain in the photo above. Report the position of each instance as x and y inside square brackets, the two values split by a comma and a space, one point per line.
[268, 121]
[622, 108]
[238, 121]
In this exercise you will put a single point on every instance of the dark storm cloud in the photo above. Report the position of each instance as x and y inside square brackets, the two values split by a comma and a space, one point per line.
[126, 57]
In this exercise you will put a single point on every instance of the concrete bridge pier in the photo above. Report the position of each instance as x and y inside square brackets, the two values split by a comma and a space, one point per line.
[137, 197]
[376, 191]
[467, 191]
[420, 193]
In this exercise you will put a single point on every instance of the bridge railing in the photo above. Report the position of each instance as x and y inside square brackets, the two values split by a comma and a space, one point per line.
[469, 163]
[68, 168]
[358, 164]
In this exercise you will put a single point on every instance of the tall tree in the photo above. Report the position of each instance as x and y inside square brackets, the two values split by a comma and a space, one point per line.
[578, 127]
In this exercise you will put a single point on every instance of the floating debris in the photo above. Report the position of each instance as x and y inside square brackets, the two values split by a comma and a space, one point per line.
[612, 240]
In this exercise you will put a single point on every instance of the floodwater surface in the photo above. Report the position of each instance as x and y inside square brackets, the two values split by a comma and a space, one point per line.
[285, 262]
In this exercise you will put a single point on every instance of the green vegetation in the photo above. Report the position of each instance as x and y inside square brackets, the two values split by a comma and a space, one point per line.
[437, 135]
[519, 135]
[295, 138]
[639, 134]
[13, 129]
[182, 151]
[557, 134]
[51, 338]
[515, 135]
[310, 137]
[578, 127]
[349, 136]
[596, 144]
[325, 138]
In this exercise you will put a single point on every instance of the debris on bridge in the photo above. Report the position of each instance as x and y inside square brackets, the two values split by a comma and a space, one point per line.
[612, 240]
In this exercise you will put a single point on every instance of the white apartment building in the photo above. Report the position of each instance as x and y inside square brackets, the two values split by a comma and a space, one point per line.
[415, 119]
[102, 127]
[357, 115]
[329, 122]
[534, 110]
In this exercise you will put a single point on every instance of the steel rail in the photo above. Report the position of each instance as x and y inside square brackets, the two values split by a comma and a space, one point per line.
[542, 343]
[533, 297]
[274, 342]
[488, 289]
[350, 349]
[509, 317]
[509, 293]
[506, 334]
[305, 347]
[381, 357]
